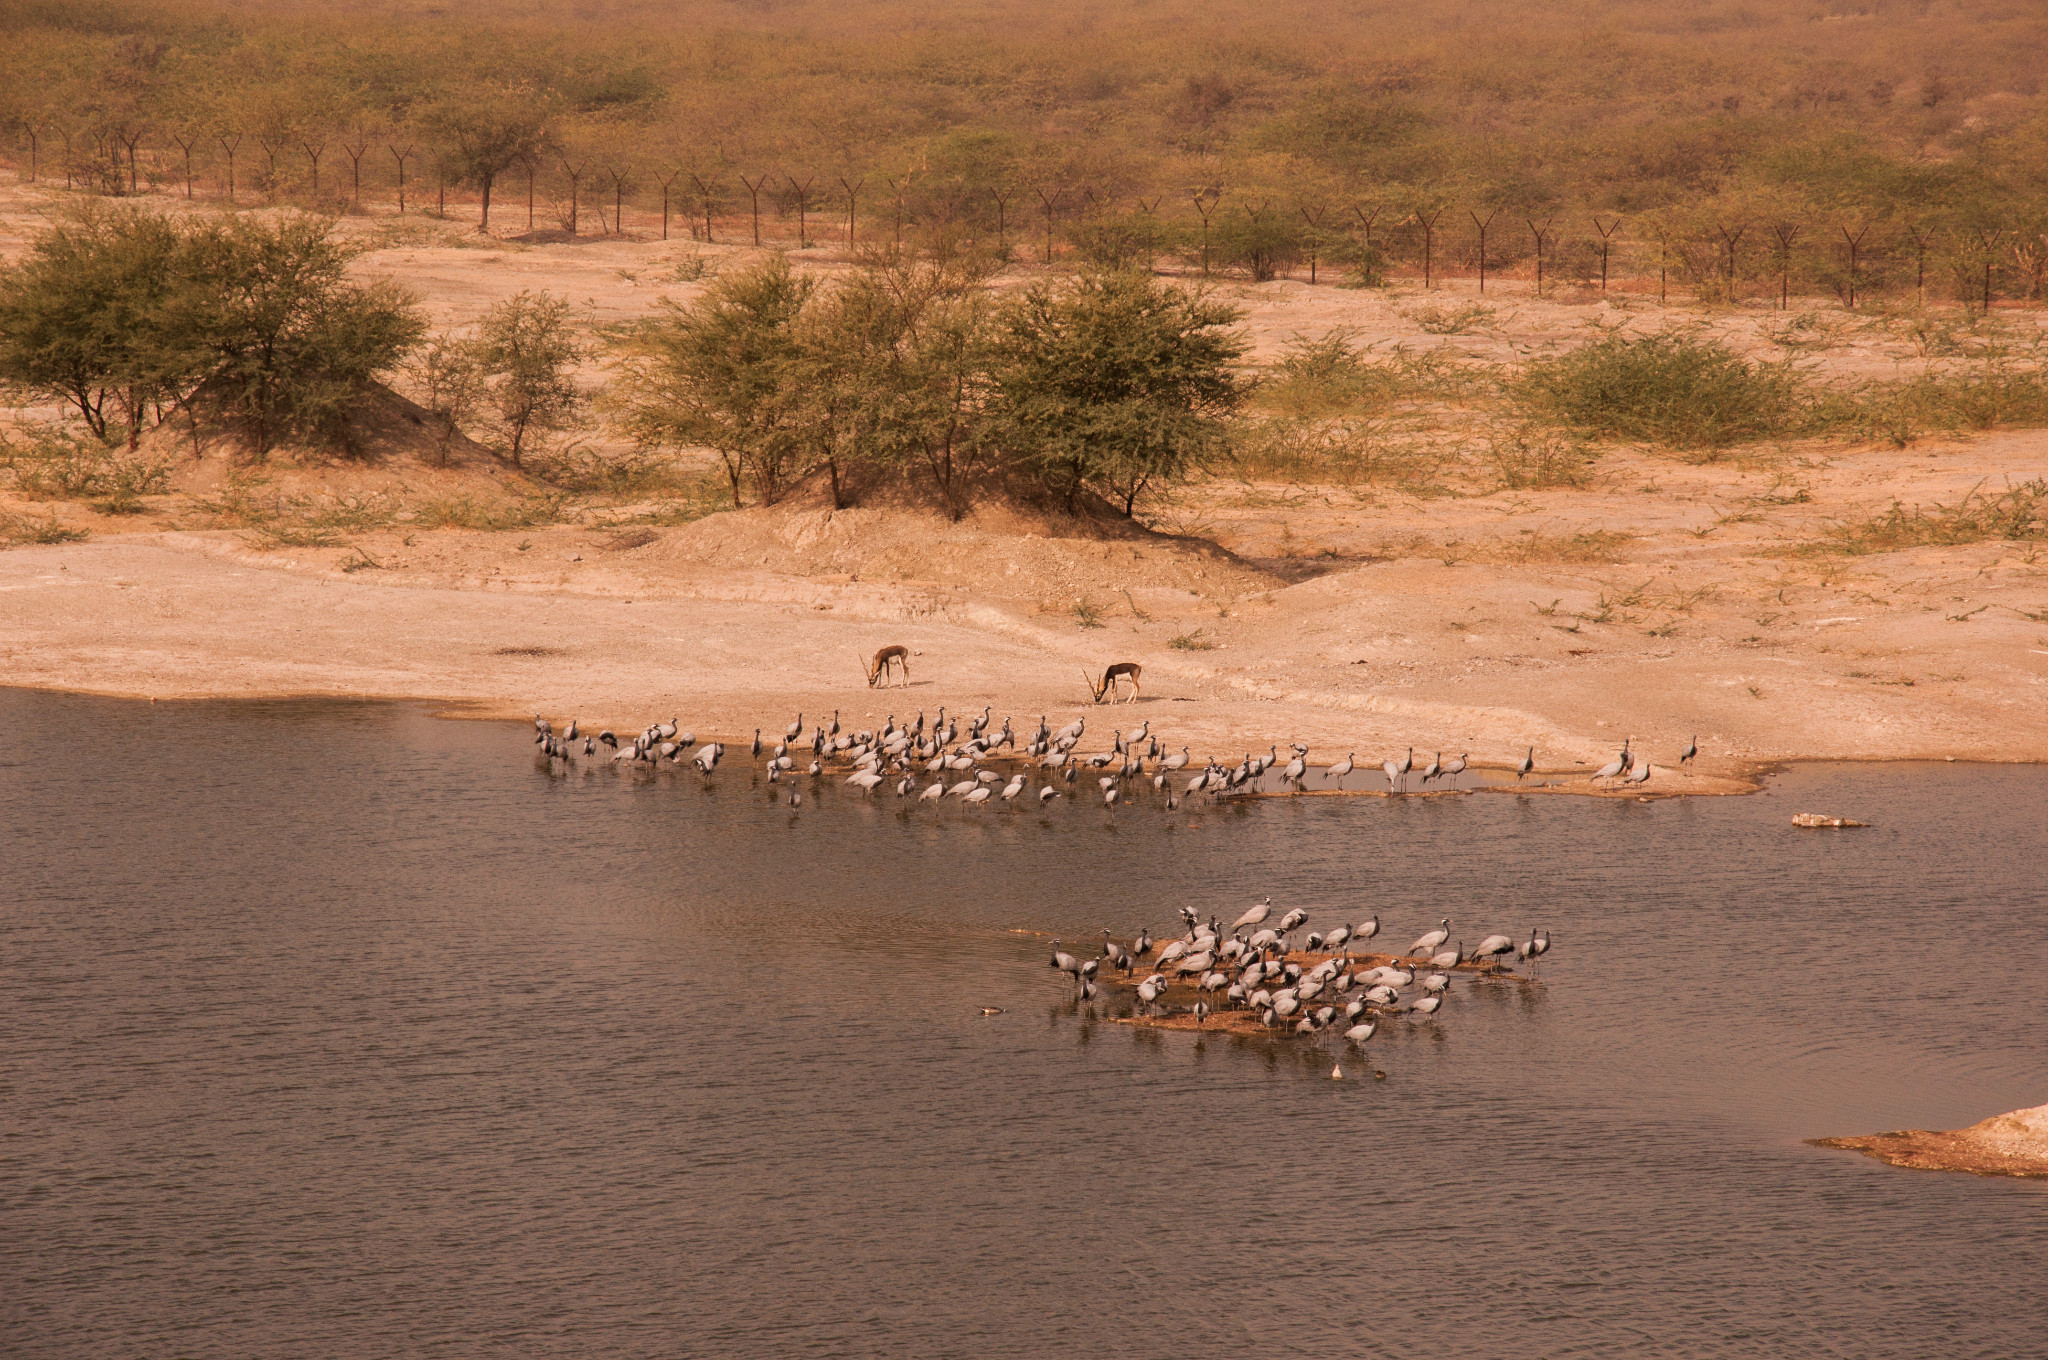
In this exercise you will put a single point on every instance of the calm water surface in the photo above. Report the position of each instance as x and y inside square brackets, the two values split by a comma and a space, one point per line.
[336, 1030]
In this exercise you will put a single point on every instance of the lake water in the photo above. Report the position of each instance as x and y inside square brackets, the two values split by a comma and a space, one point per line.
[338, 1030]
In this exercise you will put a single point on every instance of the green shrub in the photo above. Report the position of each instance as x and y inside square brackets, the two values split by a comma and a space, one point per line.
[1998, 394]
[1115, 381]
[1327, 375]
[1994, 395]
[1674, 389]
[1365, 267]
[1302, 449]
[525, 349]
[1261, 241]
[1130, 241]
[82, 318]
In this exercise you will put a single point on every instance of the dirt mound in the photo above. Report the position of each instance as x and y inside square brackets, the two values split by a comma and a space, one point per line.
[396, 453]
[1002, 551]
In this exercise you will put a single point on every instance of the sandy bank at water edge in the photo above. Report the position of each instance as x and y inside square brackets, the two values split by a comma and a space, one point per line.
[1355, 661]
[2014, 1144]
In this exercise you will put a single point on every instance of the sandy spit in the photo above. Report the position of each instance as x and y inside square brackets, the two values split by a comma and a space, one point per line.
[2014, 1144]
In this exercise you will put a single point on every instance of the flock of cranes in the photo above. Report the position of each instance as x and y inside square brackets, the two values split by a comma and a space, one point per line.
[901, 756]
[1255, 970]
[1252, 971]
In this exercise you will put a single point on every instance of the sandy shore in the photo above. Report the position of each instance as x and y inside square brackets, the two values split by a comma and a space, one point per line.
[1354, 661]
[2014, 1144]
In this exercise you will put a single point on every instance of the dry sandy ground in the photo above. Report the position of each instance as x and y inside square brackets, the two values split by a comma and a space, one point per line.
[623, 628]
[1447, 615]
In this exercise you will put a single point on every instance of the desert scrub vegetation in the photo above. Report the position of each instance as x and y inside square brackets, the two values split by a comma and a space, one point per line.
[129, 318]
[1529, 459]
[20, 529]
[583, 470]
[1332, 413]
[43, 462]
[1768, 153]
[1339, 452]
[1584, 548]
[1676, 389]
[472, 512]
[1330, 375]
[2018, 514]
[1438, 318]
[913, 372]
[510, 383]
[1682, 390]
[1996, 393]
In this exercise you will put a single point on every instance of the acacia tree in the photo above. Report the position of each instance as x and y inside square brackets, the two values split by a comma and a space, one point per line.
[948, 383]
[483, 138]
[1258, 237]
[82, 318]
[525, 349]
[1117, 381]
[725, 373]
[450, 383]
[283, 342]
[896, 366]
[847, 367]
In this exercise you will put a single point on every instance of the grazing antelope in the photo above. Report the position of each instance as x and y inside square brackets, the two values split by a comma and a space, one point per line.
[878, 669]
[1113, 678]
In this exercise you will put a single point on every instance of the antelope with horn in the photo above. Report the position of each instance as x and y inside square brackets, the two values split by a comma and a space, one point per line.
[1113, 678]
[878, 669]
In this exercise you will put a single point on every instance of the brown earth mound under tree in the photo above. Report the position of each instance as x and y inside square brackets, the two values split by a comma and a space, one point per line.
[1010, 551]
[397, 451]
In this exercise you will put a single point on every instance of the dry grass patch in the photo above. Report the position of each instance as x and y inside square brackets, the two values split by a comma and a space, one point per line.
[17, 529]
[1586, 547]
[1534, 460]
[47, 463]
[271, 537]
[467, 512]
[2019, 514]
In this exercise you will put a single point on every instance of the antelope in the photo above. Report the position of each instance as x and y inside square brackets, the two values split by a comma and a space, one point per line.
[1113, 678]
[878, 669]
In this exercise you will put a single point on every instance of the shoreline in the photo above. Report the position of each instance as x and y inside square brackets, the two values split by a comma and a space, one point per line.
[185, 616]
[1747, 781]
[2011, 1144]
